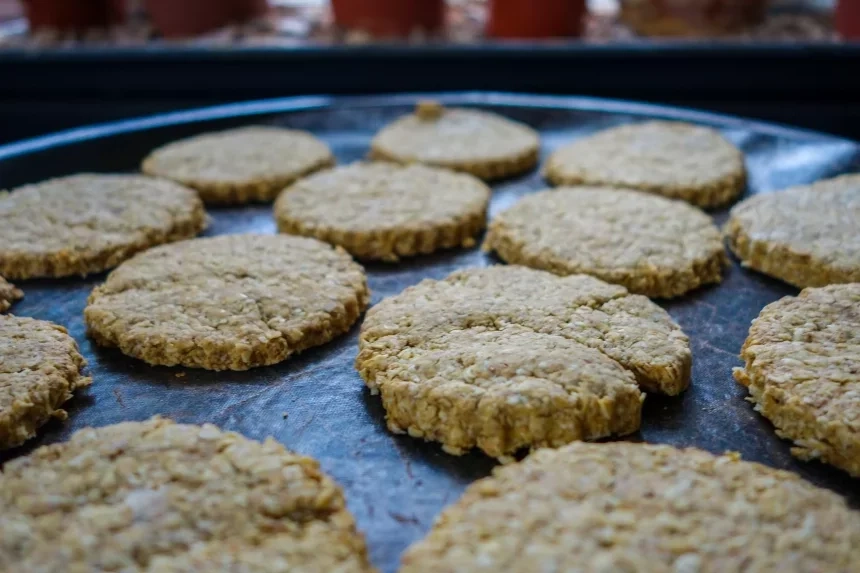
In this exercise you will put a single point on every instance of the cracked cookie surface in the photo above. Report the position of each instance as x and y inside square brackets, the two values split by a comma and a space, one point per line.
[482, 143]
[89, 223]
[159, 497]
[650, 245]
[8, 294]
[807, 236]
[802, 369]
[385, 210]
[677, 160]
[230, 302]
[506, 357]
[240, 165]
[40, 367]
[636, 507]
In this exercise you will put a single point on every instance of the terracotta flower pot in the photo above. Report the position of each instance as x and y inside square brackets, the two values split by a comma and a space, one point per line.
[848, 19]
[182, 18]
[66, 15]
[535, 18]
[389, 18]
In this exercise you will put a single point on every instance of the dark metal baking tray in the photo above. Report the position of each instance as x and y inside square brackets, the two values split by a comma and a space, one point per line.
[316, 404]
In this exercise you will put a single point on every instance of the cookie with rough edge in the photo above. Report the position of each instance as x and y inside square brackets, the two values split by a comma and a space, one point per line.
[807, 236]
[802, 369]
[230, 302]
[8, 294]
[637, 507]
[40, 367]
[506, 358]
[241, 165]
[484, 144]
[676, 160]
[651, 245]
[89, 223]
[385, 210]
[162, 497]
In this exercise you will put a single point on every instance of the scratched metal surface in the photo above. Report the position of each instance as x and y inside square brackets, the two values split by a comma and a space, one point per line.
[317, 404]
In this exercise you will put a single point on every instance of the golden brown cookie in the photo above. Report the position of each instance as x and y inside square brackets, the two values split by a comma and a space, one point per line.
[478, 142]
[803, 372]
[651, 245]
[8, 294]
[231, 302]
[677, 160]
[505, 357]
[620, 507]
[808, 236]
[385, 210]
[40, 367]
[161, 497]
[89, 223]
[240, 165]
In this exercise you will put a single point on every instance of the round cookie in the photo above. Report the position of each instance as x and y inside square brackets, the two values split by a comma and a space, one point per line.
[651, 245]
[89, 223]
[636, 507]
[163, 497]
[230, 302]
[385, 210]
[40, 367]
[8, 294]
[478, 142]
[240, 165]
[677, 160]
[802, 360]
[807, 236]
[505, 358]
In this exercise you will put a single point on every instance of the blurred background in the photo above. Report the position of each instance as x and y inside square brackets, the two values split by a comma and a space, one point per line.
[65, 63]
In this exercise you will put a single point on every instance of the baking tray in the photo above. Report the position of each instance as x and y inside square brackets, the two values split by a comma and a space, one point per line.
[316, 403]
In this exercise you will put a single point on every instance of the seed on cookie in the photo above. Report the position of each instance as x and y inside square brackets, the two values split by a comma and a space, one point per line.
[8, 294]
[651, 245]
[158, 496]
[89, 223]
[230, 302]
[637, 507]
[807, 236]
[40, 367]
[482, 143]
[676, 160]
[240, 165]
[803, 372]
[385, 210]
[506, 358]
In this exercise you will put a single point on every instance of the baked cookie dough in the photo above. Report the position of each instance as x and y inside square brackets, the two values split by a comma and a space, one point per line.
[162, 497]
[240, 165]
[230, 302]
[89, 223]
[636, 507]
[651, 245]
[8, 294]
[803, 372]
[677, 160]
[484, 144]
[385, 210]
[40, 367]
[807, 236]
[505, 358]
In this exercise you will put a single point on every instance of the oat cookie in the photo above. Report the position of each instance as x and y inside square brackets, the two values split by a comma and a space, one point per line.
[240, 165]
[478, 142]
[231, 302]
[160, 497]
[8, 294]
[89, 223]
[808, 236]
[677, 160]
[506, 357]
[651, 245]
[40, 367]
[803, 372]
[385, 210]
[606, 508]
